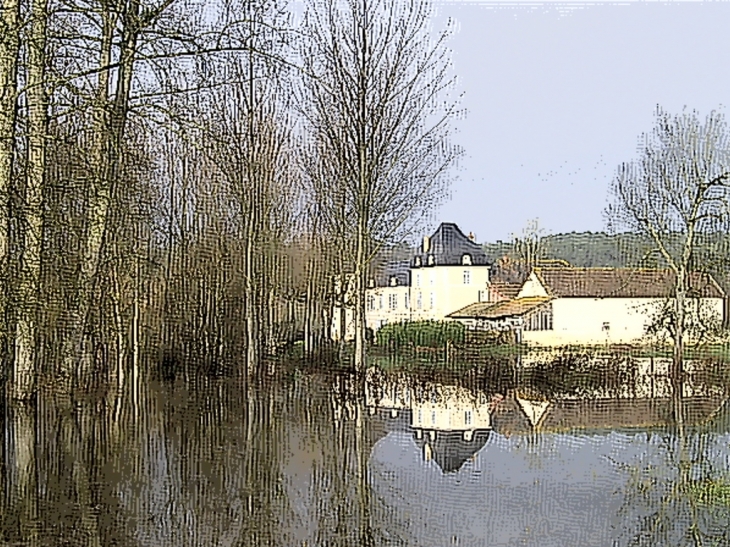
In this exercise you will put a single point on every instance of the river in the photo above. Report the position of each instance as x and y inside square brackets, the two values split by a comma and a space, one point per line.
[313, 460]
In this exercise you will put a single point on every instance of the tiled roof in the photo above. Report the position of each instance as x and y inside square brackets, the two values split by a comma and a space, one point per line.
[448, 245]
[603, 413]
[506, 308]
[621, 283]
[508, 290]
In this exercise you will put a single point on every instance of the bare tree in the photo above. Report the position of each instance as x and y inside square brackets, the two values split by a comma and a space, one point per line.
[375, 106]
[9, 49]
[528, 246]
[26, 328]
[676, 193]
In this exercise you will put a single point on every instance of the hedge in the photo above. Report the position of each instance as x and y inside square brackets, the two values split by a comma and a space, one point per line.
[434, 334]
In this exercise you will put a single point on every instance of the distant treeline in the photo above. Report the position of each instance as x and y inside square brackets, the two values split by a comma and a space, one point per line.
[603, 250]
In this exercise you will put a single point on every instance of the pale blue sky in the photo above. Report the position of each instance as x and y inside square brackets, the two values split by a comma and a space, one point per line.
[557, 95]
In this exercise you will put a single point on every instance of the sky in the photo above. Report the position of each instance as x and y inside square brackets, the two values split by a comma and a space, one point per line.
[557, 95]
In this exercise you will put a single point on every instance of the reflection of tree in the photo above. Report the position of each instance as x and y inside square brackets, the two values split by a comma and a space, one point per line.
[20, 520]
[348, 510]
[208, 464]
[681, 498]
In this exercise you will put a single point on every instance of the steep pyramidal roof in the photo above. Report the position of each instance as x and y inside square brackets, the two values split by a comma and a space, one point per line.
[448, 244]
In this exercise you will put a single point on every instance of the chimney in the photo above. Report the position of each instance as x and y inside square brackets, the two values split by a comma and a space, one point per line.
[472, 236]
[426, 244]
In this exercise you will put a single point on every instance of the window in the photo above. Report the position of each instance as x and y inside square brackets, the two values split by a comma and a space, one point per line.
[541, 320]
[433, 301]
[419, 301]
[407, 304]
[420, 416]
[466, 260]
[417, 262]
[606, 326]
[433, 277]
[380, 301]
[467, 417]
[467, 277]
[371, 302]
[393, 301]
[433, 416]
[418, 279]
[430, 260]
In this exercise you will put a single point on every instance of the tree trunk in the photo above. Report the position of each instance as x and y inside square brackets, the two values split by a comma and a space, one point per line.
[9, 47]
[251, 303]
[135, 342]
[121, 347]
[106, 160]
[309, 311]
[359, 311]
[26, 332]
[677, 376]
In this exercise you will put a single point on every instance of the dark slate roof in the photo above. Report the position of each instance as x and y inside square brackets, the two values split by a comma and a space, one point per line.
[448, 244]
[398, 269]
[449, 449]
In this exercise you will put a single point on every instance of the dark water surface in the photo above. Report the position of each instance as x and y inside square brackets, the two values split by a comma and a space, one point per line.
[313, 461]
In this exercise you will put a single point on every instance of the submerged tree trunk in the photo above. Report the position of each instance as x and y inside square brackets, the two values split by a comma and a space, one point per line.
[26, 331]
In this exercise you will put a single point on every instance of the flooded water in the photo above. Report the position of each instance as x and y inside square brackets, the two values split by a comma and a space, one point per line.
[316, 460]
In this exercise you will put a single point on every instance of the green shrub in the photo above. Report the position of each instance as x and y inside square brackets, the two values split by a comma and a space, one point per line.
[433, 334]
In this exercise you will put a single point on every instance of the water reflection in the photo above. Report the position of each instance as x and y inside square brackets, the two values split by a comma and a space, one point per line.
[396, 460]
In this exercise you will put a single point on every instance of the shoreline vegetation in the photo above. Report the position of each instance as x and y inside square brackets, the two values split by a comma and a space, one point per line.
[570, 369]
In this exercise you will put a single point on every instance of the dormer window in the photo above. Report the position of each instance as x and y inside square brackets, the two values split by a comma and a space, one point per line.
[393, 281]
[430, 260]
[466, 260]
[417, 262]
[371, 283]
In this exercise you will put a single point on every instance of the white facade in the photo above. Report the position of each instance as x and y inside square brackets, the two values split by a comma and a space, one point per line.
[433, 293]
[607, 320]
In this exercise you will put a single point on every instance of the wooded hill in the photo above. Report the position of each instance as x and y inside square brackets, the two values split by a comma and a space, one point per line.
[599, 249]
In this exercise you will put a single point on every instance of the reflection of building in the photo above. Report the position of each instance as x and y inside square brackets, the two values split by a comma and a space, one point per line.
[449, 423]
[449, 408]
[449, 271]
[518, 414]
[559, 306]
[449, 449]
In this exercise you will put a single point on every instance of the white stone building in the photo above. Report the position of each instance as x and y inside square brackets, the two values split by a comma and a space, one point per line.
[587, 306]
[449, 271]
